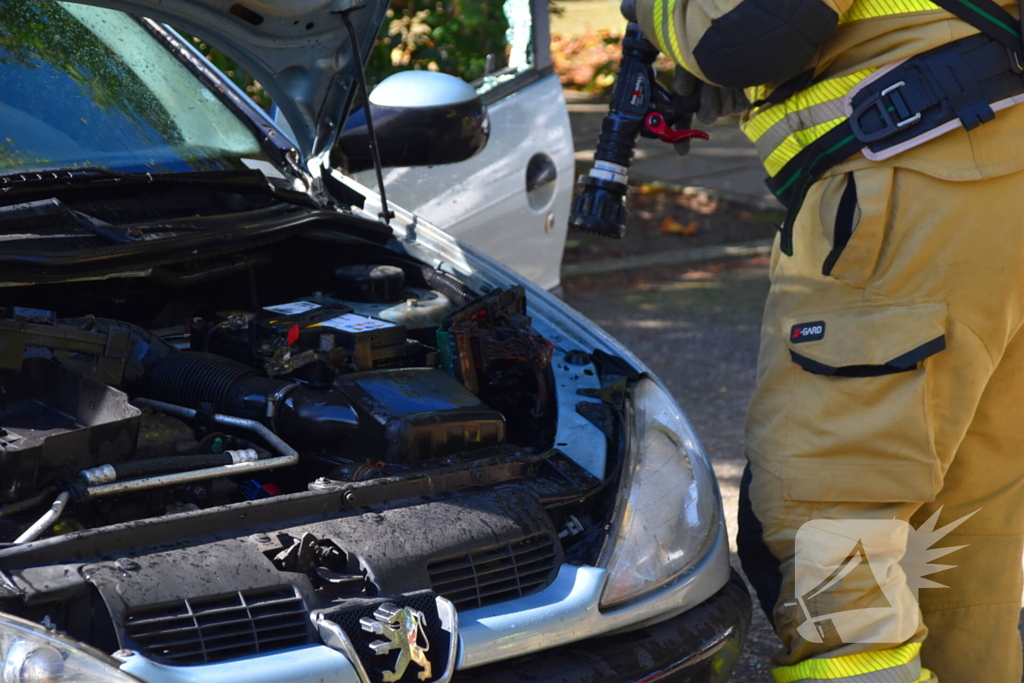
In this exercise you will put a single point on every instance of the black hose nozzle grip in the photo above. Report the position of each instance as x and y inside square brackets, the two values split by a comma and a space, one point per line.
[600, 206]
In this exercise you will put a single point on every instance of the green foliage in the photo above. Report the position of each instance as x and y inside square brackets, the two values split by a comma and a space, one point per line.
[454, 36]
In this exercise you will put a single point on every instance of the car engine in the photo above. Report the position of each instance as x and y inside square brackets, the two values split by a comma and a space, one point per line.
[390, 368]
[330, 413]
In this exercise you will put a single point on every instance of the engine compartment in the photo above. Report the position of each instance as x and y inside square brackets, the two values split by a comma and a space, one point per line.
[151, 396]
[307, 425]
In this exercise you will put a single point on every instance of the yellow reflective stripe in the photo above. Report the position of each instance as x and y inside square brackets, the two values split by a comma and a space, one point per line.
[848, 665]
[926, 676]
[872, 9]
[794, 144]
[756, 92]
[819, 93]
[659, 26]
[673, 35]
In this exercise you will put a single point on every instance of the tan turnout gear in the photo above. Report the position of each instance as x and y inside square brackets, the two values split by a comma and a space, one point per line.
[891, 377]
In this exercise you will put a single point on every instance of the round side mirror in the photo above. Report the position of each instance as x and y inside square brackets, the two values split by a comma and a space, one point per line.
[421, 118]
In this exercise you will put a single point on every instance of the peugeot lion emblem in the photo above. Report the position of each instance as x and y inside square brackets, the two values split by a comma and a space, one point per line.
[406, 638]
[403, 628]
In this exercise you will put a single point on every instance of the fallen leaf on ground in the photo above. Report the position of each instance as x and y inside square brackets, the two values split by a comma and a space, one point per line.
[650, 188]
[670, 226]
[699, 201]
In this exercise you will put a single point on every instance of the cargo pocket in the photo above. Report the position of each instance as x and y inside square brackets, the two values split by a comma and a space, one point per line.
[854, 216]
[858, 417]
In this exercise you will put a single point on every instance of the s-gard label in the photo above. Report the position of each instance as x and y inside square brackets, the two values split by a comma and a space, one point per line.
[807, 332]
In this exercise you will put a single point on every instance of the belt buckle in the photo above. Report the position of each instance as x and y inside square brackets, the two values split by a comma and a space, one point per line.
[878, 103]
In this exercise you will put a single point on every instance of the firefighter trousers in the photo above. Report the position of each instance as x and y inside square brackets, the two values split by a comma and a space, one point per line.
[887, 423]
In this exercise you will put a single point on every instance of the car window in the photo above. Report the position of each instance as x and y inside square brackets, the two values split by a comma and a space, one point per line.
[85, 86]
[484, 42]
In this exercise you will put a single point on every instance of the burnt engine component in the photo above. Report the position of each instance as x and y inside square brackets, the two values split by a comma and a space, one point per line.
[418, 414]
[491, 346]
[54, 421]
[369, 284]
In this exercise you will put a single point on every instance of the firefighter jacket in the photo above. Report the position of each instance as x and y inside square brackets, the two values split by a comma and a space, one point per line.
[832, 45]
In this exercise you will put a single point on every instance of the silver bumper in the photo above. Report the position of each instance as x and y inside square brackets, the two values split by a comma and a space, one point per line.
[566, 611]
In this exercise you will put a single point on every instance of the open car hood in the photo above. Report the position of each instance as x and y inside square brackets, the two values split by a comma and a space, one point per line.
[298, 50]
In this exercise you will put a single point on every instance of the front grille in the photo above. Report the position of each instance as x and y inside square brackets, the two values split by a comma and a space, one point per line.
[221, 627]
[491, 575]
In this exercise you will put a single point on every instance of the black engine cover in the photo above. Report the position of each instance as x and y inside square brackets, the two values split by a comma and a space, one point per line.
[419, 414]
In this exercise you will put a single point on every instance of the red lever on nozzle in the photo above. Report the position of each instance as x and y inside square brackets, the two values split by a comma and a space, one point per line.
[656, 124]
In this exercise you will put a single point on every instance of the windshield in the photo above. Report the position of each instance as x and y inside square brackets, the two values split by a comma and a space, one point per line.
[85, 86]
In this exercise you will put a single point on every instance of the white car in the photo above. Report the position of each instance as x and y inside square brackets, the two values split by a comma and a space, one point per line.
[255, 427]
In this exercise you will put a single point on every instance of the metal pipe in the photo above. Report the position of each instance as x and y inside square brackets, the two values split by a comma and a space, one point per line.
[186, 477]
[289, 456]
[44, 522]
[276, 442]
[134, 469]
[28, 503]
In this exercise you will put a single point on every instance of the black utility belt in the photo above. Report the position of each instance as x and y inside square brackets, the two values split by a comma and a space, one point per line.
[904, 105]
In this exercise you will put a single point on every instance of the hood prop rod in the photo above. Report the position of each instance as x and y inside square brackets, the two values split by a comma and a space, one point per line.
[386, 213]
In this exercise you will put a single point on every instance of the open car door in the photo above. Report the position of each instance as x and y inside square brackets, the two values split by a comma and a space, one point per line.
[512, 199]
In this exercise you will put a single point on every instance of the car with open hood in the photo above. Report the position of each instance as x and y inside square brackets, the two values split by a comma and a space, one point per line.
[258, 423]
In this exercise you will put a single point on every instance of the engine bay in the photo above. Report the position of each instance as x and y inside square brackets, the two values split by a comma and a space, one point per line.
[370, 370]
[319, 420]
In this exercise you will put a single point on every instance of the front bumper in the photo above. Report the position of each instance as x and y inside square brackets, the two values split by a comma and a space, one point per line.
[698, 646]
[565, 612]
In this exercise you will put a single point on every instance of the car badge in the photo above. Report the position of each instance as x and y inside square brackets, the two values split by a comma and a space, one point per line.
[411, 638]
[404, 630]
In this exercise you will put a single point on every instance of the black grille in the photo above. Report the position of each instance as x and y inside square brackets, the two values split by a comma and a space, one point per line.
[221, 627]
[492, 575]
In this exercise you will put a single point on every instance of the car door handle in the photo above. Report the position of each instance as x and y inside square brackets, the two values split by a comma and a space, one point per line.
[540, 171]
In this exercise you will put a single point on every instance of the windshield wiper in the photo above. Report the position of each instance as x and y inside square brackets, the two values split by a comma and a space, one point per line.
[30, 183]
[52, 219]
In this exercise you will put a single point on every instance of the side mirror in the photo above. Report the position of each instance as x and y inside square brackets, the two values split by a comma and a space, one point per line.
[422, 118]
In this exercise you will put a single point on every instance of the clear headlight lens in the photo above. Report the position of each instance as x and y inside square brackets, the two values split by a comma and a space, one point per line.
[30, 653]
[667, 512]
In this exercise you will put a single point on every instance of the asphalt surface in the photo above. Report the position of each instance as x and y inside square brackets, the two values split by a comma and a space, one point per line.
[697, 328]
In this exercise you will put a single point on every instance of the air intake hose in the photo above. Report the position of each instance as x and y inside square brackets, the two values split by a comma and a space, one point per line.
[297, 412]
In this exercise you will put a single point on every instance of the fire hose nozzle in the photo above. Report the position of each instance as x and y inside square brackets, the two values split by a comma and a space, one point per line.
[639, 106]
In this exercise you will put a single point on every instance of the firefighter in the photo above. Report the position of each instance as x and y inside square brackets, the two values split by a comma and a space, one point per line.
[891, 372]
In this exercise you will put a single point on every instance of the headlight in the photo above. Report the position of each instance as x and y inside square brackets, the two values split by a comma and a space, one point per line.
[30, 653]
[668, 509]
